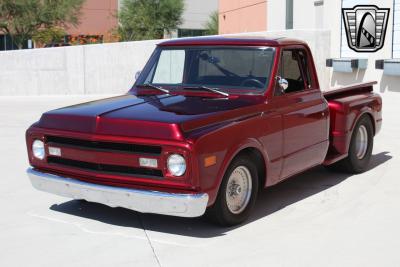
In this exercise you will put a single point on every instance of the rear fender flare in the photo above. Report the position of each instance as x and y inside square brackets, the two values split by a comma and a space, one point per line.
[364, 111]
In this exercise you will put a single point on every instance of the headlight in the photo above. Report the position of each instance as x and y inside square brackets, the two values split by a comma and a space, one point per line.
[38, 149]
[176, 165]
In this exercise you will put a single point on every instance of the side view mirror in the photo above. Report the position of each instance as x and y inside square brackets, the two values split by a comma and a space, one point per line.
[137, 74]
[283, 83]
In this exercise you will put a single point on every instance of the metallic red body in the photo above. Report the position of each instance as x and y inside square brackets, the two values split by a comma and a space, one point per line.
[292, 133]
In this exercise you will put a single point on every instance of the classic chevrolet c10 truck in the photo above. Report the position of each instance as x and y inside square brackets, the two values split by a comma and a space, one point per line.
[208, 123]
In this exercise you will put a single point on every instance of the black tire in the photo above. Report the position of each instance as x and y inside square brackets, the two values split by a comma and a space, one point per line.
[353, 164]
[220, 213]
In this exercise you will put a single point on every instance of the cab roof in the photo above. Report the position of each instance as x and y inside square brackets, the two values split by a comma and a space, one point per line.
[238, 40]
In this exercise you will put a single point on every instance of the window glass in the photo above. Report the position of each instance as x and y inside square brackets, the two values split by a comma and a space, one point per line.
[222, 67]
[306, 68]
[170, 67]
[290, 70]
[191, 32]
[241, 63]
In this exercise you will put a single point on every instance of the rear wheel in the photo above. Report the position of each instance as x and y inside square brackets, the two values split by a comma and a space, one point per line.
[360, 149]
[237, 193]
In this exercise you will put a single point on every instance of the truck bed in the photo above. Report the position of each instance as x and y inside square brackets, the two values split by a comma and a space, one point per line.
[353, 89]
[346, 105]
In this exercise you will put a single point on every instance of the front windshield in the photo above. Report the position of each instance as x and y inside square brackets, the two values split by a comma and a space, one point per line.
[246, 68]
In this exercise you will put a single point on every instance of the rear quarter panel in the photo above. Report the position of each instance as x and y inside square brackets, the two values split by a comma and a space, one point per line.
[345, 112]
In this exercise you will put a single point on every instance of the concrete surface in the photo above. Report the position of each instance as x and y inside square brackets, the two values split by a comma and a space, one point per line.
[315, 219]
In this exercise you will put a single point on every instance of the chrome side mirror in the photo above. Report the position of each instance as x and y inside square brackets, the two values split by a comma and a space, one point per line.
[283, 83]
[137, 74]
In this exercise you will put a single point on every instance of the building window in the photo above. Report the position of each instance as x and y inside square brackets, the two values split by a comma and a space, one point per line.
[190, 32]
[289, 14]
[6, 43]
[2, 42]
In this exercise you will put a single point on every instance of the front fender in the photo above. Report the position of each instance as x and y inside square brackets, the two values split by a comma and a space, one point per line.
[234, 151]
[225, 143]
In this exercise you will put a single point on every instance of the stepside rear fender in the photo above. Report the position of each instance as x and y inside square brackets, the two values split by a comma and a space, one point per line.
[345, 111]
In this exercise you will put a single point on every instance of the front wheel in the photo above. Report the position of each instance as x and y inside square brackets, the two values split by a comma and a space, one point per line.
[360, 149]
[237, 193]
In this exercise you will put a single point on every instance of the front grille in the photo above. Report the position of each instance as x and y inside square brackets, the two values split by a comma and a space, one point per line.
[105, 168]
[104, 146]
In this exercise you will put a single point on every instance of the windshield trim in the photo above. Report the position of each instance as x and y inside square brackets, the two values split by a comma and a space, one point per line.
[239, 90]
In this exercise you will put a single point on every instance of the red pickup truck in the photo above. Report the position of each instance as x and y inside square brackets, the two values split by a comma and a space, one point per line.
[208, 123]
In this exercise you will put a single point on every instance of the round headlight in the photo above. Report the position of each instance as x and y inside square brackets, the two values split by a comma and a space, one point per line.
[38, 149]
[176, 165]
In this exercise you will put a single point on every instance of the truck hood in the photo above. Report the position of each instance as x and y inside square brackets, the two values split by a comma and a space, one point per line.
[158, 117]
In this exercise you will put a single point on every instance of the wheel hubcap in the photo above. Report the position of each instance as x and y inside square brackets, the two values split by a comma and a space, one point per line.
[238, 191]
[361, 142]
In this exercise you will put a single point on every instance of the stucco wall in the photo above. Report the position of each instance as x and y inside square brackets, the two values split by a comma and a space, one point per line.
[236, 16]
[98, 17]
[276, 15]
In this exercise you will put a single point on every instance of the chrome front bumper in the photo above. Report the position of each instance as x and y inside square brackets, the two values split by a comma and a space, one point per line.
[182, 205]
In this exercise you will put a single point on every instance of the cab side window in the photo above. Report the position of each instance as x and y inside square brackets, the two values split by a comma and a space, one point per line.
[294, 69]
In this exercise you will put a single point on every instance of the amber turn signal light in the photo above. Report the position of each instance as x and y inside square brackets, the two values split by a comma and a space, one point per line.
[209, 161]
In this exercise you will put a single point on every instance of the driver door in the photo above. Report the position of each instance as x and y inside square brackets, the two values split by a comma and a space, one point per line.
[304, 112]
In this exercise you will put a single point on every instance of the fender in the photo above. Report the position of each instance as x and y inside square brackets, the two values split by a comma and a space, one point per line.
[230, 155]
[364, 111]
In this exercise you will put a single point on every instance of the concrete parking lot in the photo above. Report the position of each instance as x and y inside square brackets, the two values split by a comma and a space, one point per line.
[315, 219]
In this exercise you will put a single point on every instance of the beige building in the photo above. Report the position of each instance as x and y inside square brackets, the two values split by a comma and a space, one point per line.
[242, 16]
[194, 18]
[98, 18]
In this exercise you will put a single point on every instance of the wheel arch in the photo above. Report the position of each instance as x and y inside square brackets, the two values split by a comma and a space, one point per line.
[369, 114]
[365, 113]
[256, 155]
[254, 149]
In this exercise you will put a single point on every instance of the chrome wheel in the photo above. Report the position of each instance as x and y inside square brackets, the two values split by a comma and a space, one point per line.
[361, 142]
[238, 190]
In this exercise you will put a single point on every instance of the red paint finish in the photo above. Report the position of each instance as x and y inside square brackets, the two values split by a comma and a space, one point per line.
[346, 107]
[292, 132]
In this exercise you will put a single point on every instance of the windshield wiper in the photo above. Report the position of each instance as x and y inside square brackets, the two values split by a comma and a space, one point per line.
[149, 85]
[206, 89]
